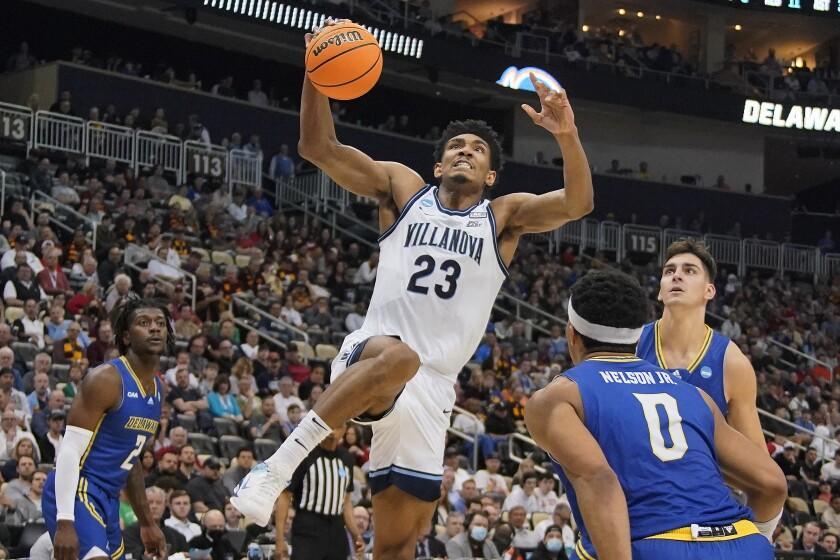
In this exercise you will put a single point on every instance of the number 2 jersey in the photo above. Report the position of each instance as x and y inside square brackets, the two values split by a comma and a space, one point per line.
[122, 433]
[439, 273]
[657, 434]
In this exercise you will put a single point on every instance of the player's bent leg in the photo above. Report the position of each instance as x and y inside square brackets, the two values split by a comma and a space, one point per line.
[399, 518]
[368, 376]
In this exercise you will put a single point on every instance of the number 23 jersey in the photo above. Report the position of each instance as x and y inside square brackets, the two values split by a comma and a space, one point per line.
[439, 273]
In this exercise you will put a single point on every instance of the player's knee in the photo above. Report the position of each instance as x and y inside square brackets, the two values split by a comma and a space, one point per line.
[397, 365]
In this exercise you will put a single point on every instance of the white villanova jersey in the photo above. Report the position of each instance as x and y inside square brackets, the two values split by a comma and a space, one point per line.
[439, 274]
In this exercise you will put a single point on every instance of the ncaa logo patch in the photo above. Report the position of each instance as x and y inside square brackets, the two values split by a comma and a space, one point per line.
[705, 372]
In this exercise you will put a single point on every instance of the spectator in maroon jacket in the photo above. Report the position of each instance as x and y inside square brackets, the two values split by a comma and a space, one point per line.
[104, 341]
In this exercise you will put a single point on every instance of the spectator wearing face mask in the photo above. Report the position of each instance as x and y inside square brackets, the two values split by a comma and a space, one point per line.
[551, 547]
[212, 542]
[474, 542]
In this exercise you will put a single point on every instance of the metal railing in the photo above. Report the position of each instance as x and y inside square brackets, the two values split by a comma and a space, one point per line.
[256, 311]
[109, 141]
[245, 168]
[470, 438]
[61, 208]
[58, 132]
[204, 159]
[2, 193]
[262, 334]
[135, 253]
[826, 443]
[152, 149]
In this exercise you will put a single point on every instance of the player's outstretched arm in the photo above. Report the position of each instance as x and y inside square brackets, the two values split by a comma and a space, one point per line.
[100, 391]
[749, 468]
[349, 167]
[553, 417]
[740, 388]
[530, 213]
[152, 536]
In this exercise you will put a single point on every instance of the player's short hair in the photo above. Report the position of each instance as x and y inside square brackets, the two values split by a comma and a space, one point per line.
[480, 129]
[123, 316]
[698, 249]
[612, 299]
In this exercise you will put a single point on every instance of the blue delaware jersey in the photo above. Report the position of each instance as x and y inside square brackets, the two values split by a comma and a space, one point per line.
[705, 371]
[122, 433]
[657, 434]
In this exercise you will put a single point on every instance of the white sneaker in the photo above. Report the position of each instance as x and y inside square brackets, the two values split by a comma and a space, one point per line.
[256, 494]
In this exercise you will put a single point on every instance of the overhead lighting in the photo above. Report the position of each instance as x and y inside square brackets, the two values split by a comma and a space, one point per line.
[585, 28]
[621, 11]
[658, 17]
[621, 33]
[640, 14]
[738, 27]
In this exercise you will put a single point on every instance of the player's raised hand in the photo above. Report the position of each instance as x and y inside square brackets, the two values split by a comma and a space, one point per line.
[329, 22]
[556, 115]
[153, 541]
[66, 544]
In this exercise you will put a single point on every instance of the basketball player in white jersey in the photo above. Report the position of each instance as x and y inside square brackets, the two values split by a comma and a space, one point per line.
[443, 257]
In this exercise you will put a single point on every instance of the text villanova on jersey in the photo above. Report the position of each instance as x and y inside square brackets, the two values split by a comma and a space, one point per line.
[449, 239]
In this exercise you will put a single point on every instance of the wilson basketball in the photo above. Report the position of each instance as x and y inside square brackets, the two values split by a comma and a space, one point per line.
[344, 62]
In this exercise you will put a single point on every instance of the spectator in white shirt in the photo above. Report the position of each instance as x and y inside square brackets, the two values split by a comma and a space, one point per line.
[286, 397]
[251, 347]
[30, 328]
[289, 314]
[366, 273]
[545, 494]
[179, 508]
[356, 318]
[523, 537]
[257, 96]
[237, 208]
[831, 471]
[524, 495]
[489, 480]
[181, 362]
[561, 517]
[159, 268]
[452, 459]
[21, 255]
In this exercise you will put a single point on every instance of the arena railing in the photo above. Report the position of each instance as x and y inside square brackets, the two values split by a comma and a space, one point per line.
[470, 438]
[152, 149]
[16, 124]
[135, 253]
[39, 197]
[262, 334]
[830, 265]
[109, 141]
[54, 131]
[245, 169]
[824, 442]
[239, 302]
[204, 159]
[2, 193]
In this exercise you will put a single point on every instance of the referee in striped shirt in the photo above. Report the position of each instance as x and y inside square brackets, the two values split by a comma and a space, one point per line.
[320, 495]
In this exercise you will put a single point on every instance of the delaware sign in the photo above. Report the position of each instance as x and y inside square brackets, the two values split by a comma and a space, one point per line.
[516, 78]
[797, 116]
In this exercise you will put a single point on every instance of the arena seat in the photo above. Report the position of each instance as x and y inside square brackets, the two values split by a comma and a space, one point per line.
[13, 314]
[306, 351]
[226, 426]
[230, 444]
[205, 256]
[202, 443]
[820, 506]
[188, 422]
[798, 505]
[264, 448]
[242, 260]
[221, 258]
[25, 351]
[326, 351]
[538, 517]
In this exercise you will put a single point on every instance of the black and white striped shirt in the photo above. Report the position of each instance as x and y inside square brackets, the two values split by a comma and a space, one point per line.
[322, 481]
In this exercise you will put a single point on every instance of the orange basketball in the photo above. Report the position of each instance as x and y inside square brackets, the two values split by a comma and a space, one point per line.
[344, 62]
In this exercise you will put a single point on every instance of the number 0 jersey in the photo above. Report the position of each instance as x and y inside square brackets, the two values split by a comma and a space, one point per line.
[122, 433]
[657, 434]
[439, 274]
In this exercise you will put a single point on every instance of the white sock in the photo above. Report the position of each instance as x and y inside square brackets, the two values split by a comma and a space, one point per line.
[309, 433]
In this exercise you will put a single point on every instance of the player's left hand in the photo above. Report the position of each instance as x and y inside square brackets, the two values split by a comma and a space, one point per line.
[154, 542]
[556, 115]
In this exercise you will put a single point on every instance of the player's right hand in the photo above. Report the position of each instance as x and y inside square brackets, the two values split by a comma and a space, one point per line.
[329, 22]
[66, 545]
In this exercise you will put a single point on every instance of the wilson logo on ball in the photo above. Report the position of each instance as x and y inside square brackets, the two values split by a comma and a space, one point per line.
[338, 40]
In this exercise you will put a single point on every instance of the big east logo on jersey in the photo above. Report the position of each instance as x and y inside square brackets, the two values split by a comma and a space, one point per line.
[346, 37]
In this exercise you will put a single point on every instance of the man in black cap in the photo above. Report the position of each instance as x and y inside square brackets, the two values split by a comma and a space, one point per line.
[50, 443]
[207, 491]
